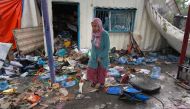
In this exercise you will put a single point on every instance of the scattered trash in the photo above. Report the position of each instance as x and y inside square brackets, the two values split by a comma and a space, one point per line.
[110, 81]
[61, 78]
[63, 91]
[87, 97]
[117, 90]
[124, 79]
[70, 66]
[122, 60]
[56, 86]
[79, 96]
[4, 85]
[41, 62]
[9, 91]
[15, 63]
[33, 98]
[120, 69]
[150, 60]
[4, 47]
[113, 72]
[24, 74]
[102, 106]
[60, 106]
[130, 90]
[69, 83]
[133, 94]
[61, 52]
[155, 72]
[145, 71]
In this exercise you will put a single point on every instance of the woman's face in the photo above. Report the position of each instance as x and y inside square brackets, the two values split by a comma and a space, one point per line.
[95, 27]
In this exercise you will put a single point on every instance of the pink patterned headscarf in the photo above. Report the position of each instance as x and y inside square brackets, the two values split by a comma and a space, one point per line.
[96, 36]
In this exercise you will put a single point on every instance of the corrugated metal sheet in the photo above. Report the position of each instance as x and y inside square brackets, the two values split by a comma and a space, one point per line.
[29, 39]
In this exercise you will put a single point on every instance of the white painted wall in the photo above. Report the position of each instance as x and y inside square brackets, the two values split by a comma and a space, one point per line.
[150, 37]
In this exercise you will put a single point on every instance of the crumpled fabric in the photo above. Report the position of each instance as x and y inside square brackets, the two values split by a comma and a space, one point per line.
[10, 19]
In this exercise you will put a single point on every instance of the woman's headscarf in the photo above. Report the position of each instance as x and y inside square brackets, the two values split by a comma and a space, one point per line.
[96, 36]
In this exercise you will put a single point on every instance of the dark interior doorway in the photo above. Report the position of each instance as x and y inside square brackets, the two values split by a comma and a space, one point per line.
[66, 20]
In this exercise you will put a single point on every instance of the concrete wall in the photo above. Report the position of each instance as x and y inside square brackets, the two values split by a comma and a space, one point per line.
[146, 34]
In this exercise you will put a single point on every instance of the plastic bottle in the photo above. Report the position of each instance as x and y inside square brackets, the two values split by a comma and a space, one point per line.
[155, 72]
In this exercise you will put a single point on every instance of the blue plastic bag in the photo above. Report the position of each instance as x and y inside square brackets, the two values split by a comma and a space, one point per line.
[41, 62]
[61, 52]
[122, 60]
[139, 61]
[113, 72]
[44, 77]
[68, 84]
[4, 85]
[61, 78]
[114, 90]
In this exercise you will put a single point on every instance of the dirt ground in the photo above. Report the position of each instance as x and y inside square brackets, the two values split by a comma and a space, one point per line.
[171, 95]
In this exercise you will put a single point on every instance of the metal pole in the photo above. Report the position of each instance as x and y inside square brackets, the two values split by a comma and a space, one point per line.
[48, 39]
[185, 43]
[185, 39]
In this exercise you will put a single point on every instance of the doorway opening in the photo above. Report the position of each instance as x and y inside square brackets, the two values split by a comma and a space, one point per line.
[66, 22]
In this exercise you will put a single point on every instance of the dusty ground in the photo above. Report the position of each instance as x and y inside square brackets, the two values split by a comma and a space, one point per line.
[172, 96]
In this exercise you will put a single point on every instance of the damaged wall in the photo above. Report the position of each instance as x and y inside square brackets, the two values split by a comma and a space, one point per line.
[150, 38]
[146, 34]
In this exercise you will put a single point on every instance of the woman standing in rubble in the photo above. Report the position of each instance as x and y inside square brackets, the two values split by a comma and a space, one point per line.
[99, 60]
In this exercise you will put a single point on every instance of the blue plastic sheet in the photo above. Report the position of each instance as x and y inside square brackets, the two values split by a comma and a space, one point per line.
[141, 97]
[114, 90]
[135, 94]
[131, 90]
